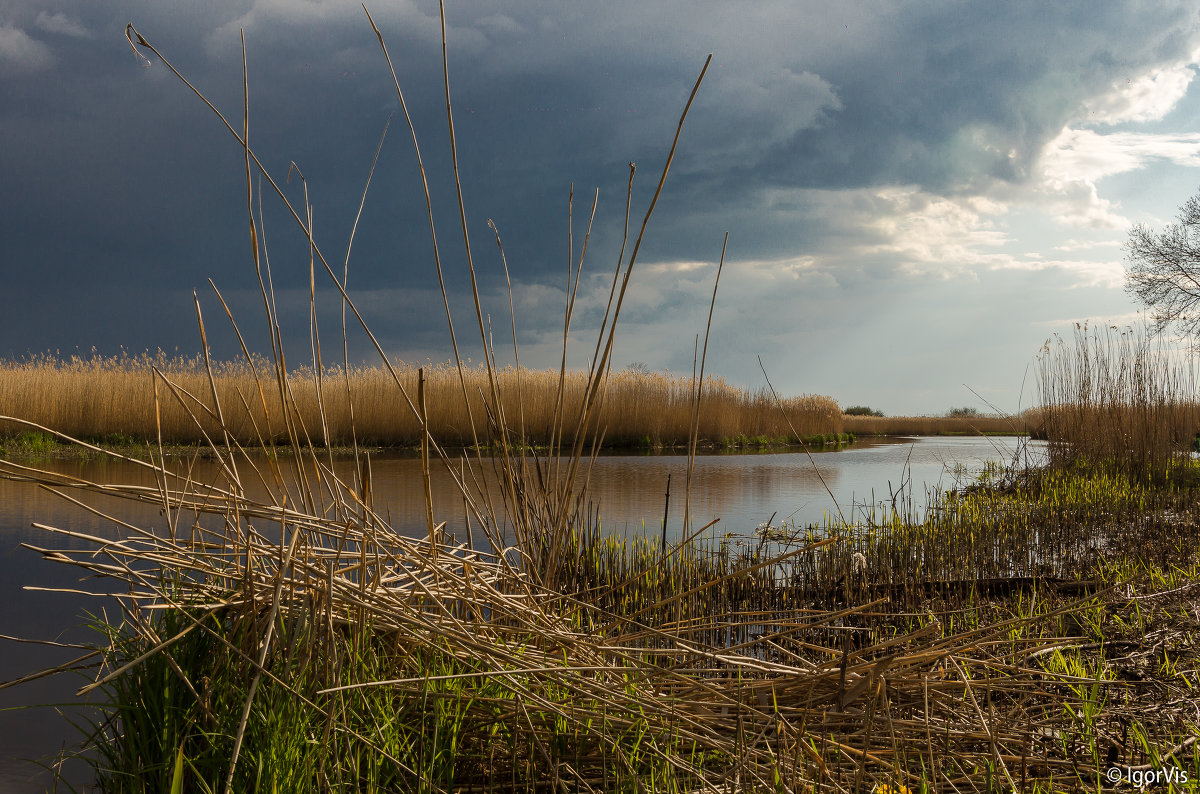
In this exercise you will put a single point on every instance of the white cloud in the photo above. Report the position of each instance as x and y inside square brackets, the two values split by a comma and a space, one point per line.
[1109, 273]
[1134, 319]
[872, 234]
[1078, 204]
[21, 52]
[1072, 163]
[931, 234]
[1076, 159]
[675, 267]
[1073, 244]
[1148, 97]
[62, 24]
[750, 277]
[806, 271]
[1077, 155]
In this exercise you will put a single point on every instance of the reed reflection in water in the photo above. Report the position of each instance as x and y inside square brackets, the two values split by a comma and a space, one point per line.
[626, 491]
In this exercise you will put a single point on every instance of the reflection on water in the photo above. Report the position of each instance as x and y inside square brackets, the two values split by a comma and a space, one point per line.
[742, 490]
[745, 490]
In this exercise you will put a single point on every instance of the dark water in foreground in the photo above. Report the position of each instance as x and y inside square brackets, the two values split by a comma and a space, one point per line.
[742, 490]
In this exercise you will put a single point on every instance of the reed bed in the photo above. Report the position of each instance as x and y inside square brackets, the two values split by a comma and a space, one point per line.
[983, 425]
[1119, 397]
[112, 398]
[278, 634]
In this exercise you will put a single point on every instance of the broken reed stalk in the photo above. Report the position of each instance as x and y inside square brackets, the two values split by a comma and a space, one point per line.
[666, 512]
[425, 457]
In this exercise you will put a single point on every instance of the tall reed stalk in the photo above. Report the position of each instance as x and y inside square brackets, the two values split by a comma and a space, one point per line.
[1119, 397]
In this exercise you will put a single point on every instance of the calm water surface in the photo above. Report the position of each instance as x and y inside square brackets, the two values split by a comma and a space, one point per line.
[742, 490]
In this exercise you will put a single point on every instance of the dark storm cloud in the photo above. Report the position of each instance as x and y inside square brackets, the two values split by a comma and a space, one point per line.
[952, 97]
[120, 187]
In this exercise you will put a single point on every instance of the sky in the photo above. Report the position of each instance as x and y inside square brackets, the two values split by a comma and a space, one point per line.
[918, 195]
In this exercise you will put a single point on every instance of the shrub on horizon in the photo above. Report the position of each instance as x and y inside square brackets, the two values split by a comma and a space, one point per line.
[861, 410]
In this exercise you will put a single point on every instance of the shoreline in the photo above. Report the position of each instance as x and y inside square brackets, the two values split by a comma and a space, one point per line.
[36, 445]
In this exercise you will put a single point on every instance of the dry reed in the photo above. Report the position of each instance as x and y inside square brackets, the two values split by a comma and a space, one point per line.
[113, 397]
[935, 425]
[1118, 397]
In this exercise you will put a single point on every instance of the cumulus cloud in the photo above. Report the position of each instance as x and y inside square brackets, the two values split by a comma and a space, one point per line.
[931, 235]
[1077, 203]
[744, 282]
[1072, 244]
[868, 237]
[1071, 163]
[62, 24]
[1075, 160]
[796, 271]
[1107, 273]
[1077, 155]
[1148, 97]
[20, 52]
[927, 233]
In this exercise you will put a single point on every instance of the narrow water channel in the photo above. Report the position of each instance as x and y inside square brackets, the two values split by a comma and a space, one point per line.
[742, 490]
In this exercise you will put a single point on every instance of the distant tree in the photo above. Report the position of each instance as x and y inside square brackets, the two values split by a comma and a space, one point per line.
[861, 410]
[637, 368]
[1163, 271]
[963, 413]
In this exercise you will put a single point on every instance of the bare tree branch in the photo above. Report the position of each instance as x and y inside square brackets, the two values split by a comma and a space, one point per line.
[1163, 271]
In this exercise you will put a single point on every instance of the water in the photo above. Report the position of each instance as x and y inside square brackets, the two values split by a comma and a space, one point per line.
[745, 490]
[742, 490]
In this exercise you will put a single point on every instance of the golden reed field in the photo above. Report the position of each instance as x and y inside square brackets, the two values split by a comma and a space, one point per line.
[105, 398]
[939, 425]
